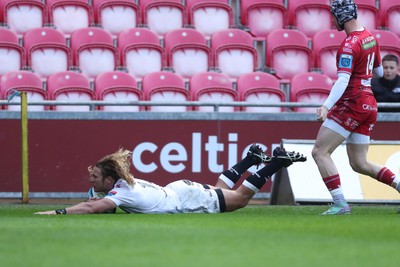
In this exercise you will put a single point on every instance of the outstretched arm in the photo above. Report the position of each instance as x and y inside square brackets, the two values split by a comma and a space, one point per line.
[99, 206]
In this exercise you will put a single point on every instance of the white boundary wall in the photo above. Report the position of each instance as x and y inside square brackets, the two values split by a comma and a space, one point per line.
[307, 185]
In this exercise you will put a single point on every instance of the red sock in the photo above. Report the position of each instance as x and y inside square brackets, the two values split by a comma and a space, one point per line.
[332, 182]
[385, 176]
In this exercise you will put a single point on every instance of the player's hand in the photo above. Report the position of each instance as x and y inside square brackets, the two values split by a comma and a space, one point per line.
[322, 112]
[49, 212]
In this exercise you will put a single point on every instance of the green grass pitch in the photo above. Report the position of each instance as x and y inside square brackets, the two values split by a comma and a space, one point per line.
[293, 236]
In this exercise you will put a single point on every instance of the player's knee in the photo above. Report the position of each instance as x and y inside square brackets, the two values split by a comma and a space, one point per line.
[236, 201]
[242, 204]
[237, 205]
[243, 201]
[320, 154]
[316, 153]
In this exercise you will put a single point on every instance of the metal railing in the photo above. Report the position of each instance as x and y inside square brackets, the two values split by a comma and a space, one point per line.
[215, 105]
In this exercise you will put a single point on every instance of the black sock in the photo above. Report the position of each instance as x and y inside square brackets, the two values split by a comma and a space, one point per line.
[258, 179]
[231, 176]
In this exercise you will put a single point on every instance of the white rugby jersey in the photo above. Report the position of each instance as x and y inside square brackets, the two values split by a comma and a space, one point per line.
[144, 197]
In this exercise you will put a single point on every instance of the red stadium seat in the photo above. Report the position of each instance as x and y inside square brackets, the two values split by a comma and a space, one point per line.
[70, 15]
[165, 87]
[94, 51]
[2, 22]
[260, 87]
[163, 16]
[288, 53]
[46, 51]
[116, 16]
[69, 86]
[234, 52]
[309, 88]
[21, 16]
[325, 45]
[12, 55]
[368, 14]
[23, 81]
[390, 15]
[212, 87]
[263, 16]
[117, 86]
[141, 52]
[310, 16]
[209, 16]
[187, 52]
[389, 43]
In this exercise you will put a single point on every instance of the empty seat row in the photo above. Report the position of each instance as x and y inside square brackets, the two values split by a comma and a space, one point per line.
[116, 16]
[185, 51]
[207, 16]
[92, 50]
[311, 16]
[211, 87]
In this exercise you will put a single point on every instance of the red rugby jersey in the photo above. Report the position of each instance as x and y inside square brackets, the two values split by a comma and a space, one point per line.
[359, 53]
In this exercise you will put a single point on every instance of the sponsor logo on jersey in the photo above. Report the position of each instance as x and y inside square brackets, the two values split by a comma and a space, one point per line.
[188, 182]
[353, 124]
[369, 45]
[348, 122]
[347, 50]
[371, 126]
[366, 82]
[368, 39]
[368, 107]
[345, 61]
[112, 193]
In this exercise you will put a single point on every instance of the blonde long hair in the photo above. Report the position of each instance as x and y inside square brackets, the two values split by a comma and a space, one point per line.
[117, 165]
